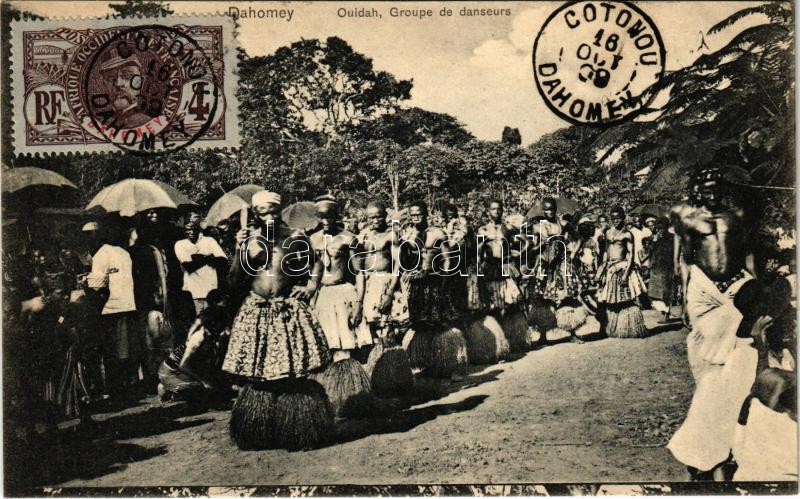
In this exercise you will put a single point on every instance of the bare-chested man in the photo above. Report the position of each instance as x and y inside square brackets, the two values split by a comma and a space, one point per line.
[497, 270]
[428, 303]
[432, 310]
[339, 300]
[543, 243]
[716, 262]
[276, 340]
[619, 282]
[380, 248]
[677, 212]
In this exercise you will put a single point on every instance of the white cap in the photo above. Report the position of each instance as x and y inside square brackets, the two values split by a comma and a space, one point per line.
[262, 198]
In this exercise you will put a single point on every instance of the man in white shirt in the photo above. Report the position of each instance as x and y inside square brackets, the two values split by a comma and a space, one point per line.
[200, 257]
[112, 270]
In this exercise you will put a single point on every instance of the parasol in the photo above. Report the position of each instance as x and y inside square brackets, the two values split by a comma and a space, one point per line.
[563, 206]
[301, 215]
[230, 203]
[134, 195]
[31, 187]
[656, 210]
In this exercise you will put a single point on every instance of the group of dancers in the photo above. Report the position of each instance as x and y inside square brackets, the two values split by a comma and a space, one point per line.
[329, 321]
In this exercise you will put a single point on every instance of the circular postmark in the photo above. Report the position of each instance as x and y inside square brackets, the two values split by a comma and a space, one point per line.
[593, 61]
[146, 89]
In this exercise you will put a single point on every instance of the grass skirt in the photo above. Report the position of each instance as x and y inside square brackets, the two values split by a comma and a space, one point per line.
[418, 346]
[570, 318]
[625, 321]
[540, 314]
[486, 343]
[390, 371]
[347, 385]
[290, 414]
[448, 353]
[534, 336]
[515, 327]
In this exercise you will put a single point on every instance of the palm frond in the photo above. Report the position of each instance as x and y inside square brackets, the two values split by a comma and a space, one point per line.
[775, 11]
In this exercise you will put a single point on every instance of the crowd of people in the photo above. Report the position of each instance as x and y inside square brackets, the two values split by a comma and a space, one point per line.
[304, 324]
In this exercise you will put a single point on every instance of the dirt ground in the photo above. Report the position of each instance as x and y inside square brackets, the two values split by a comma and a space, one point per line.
[600, 411]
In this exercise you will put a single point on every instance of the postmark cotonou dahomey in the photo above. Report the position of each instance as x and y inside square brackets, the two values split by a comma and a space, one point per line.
[594, 61]
[141, 85]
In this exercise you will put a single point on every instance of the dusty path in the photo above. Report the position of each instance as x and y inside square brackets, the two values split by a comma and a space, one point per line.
[601, 411]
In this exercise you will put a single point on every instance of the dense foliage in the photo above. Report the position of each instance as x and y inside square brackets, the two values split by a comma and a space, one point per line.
[318, 117]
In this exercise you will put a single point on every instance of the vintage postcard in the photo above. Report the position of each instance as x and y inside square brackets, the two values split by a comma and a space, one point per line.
[441, 248]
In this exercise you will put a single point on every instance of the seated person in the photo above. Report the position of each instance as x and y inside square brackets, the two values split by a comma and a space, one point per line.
[765, 447]
[192, 369]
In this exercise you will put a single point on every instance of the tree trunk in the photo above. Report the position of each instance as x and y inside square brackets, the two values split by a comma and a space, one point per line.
[395, 184]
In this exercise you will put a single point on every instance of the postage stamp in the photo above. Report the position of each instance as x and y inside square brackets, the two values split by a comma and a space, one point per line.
[593, 62]
[144, 85]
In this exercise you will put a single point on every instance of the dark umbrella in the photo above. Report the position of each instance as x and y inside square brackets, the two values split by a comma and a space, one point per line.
[656, 210]
[301, 215]
[30, 187]
[563, 205]
[230, 203]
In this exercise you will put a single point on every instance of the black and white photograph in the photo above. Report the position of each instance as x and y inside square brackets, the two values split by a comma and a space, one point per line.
[396, 248]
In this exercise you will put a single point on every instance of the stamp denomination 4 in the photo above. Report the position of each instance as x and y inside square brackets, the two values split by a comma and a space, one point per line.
[138, 85]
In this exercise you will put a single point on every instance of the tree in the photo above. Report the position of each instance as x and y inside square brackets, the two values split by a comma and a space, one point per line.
[412, 126]
[732, 107]
[329, 88]
[511, 136]
[143, 8]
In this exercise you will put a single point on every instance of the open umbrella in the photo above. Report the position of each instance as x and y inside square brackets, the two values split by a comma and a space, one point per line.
[301, 215]
[135, 195]
[563, 205]
[30, 187]
[656, 210]
[230, 203]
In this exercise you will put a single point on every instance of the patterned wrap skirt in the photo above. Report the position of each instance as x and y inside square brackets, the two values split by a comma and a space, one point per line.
[495, 292]
[376, 287]
[563, 284]
[335, 305]
[430, 301]
[615, 288]
[276, 338]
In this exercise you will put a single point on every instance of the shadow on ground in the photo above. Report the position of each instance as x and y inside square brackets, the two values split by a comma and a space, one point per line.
[356, 429]
[95, 448]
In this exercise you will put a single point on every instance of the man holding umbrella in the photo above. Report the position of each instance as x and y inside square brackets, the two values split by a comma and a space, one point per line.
[276, 341]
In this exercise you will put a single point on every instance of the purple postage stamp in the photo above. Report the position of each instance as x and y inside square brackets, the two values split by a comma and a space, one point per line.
[140, 85]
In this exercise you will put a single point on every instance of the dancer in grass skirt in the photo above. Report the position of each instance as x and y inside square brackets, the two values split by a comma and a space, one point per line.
[276, 341]
[620, 282]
